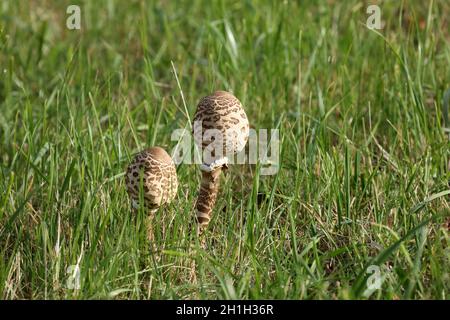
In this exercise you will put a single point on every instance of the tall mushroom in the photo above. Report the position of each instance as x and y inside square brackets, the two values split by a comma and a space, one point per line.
[159, 181]
[221, 129]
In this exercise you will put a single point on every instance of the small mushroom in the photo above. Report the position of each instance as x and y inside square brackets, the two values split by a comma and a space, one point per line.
[221, 128]
[159, 180]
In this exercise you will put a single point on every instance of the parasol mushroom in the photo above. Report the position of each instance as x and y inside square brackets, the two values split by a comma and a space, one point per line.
[159, 181]
[221, 129]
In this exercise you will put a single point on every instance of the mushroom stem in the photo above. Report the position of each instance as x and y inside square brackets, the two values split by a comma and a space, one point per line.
[149, 229]
[209, 189]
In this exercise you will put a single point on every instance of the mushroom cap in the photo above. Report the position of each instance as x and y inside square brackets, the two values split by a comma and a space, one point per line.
[223, 112]
[159, 178]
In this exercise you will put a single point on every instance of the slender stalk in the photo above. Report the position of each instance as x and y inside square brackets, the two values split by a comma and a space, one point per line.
[209, 189]
[149, 228]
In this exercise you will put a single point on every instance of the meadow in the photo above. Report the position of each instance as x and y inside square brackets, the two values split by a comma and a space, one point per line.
[361, 196]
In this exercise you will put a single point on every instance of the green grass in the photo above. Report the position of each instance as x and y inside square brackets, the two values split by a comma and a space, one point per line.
[363, 179]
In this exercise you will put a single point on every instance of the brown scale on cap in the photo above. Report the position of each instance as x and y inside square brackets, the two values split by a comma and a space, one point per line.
[223, 113]
[159, 178]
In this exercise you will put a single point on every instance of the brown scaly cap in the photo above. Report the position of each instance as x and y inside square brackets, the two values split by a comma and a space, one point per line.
[159, 177]
[224, 112]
